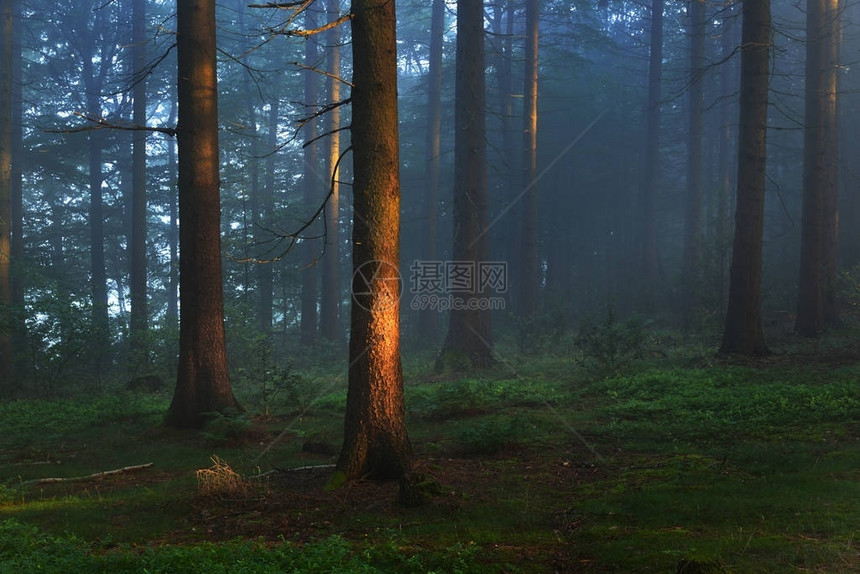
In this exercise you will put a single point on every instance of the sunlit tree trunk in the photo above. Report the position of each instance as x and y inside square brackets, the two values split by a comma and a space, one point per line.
[6, 59]
[428, 320]
[691, 271]
[529, 269]
[202, 383]
[376, 444]
[743, 330]
[330, 295]
[816, 301]
[649, 262]
[310, 189]
[139, 320]
[469, 339]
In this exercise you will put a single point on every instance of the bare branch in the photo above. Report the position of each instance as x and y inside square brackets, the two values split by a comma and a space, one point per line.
[103, 124]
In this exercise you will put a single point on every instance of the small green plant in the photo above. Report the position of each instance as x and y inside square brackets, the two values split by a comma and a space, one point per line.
[494, 434]
[612, 344]
[226, 426]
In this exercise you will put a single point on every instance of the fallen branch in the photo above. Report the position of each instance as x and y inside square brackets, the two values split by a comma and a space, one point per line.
[95, 476]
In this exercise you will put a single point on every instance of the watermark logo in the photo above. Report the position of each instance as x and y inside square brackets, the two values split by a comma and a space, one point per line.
[433, 285]
[382, 274]
[458, 285]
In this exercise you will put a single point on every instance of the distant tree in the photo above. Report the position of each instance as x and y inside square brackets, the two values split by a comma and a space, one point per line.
[138, 323]
[6, 58]
[529, 269]
[262, 231]
[375, 444]
[693, 214]
[469, 335]
[428, 321]
[96, 50]
[650, 182]
[743, 329]
[330, 293]
[728, 71]
[310, 186]
[202, 382]
[816, 304]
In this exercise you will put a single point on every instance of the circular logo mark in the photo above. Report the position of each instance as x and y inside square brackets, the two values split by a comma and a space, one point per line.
[376, 285]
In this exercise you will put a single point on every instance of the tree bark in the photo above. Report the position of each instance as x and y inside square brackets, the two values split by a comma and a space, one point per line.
[376, 444]
[469, 340]
[649, 264]
[6, 58]
[816, 301]
[310, 190]
[529, 268]
[138, 323]
[428, 319]
[743, 330]
[202, 383]
[691, 271]
[330, 296]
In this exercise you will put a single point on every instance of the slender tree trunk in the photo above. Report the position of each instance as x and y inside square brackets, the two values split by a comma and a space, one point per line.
[652, 160]
[469, 340]
[310, 190]
[265, 272]
[743, 331]
[816, 301]
[98, 274]
[6, 58]
[529, 269]
[428, 319]
[693, 217]
[330, 299]
[173, 229]
[727, 74]
[202, 383]
[19, 330]
[139, 320]
[376, 444]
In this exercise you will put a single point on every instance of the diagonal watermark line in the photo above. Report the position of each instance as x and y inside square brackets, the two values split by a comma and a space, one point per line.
[539, 176]
[543, 400]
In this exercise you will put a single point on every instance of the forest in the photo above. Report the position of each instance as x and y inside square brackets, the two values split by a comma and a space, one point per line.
[446, 286]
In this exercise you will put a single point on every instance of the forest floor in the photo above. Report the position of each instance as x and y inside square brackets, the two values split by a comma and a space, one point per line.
[566, 463]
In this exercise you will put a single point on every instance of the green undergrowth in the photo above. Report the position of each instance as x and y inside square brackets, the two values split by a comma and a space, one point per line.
[27, 549]
[543, 466]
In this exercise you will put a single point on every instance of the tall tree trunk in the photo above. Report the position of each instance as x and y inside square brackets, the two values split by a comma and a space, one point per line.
[98, 274]
[743, 331]
[693, 216]
[6, 58]
[727, 74]
[202, 382]
[138, 324]
[173, 229]
[652, 160]
[265, 272]
[19, 330]
[376, 444]
[428, 319]
[816, 302]
[529, 270]
[310, 189]
[469, 338]
[330, 296]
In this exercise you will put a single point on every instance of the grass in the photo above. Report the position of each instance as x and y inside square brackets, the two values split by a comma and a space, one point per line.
[555, 467]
